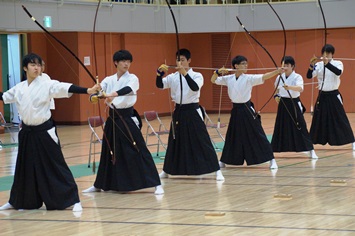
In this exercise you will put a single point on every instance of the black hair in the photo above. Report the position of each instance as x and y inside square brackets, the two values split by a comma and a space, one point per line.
[24, 76]
[328, 48]
[288, 60]
[184, 52]
[238, 59]
[31, 58]
[122, 55]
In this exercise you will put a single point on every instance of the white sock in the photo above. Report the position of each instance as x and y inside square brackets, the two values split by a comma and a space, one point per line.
[159, 190]
[273, 164]
[91, 190]
[6, 206]
[77, 214]
[77, 207]
[219, 175]
[163, 175]
[313, 154]
[221, 164]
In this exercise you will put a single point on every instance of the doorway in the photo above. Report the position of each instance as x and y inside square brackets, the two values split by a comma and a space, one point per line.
[14, 70]
[11, 47]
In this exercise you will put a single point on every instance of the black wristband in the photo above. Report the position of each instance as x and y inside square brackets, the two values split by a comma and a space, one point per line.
[161, 73]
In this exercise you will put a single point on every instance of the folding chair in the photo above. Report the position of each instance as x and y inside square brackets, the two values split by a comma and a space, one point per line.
[149, 117]
[95, 122]
[210, 125]
[7, 126]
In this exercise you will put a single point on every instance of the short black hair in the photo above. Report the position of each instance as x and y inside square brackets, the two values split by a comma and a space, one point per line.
[288, 60]
[238, 59]
[31, 58]
[122, 55]
[184, 52]
[328, 48]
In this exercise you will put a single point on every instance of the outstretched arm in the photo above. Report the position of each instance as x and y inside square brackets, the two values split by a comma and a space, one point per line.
[77, 89]
[271, 74]
[214, 77]
[220, 72]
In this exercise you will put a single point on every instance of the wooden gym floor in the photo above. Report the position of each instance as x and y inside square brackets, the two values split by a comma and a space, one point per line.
[303, 197]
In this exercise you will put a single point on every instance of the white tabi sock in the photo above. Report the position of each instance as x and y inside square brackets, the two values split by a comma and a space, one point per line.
[159, 190]
[163, 175]
[6, 206]
[77, 207]
[219, 175]
[313, 154]
[273, 164]
[221, 164]
[91, 190]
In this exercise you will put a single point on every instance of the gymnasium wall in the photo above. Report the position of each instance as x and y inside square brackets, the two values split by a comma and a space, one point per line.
[151, 50]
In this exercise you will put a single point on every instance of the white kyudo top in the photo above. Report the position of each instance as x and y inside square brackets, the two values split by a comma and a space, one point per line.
[239, 90]
[33, 101]
[332, 81]
[113, 84]
[46, 77]
[293, 79]
[172, 81]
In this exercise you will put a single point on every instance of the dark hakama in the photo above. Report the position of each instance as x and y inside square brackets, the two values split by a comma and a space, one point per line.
[191, 152]
[245, 138]
[330, 123]
[41, 173]
[134, 169]
[288, 136]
